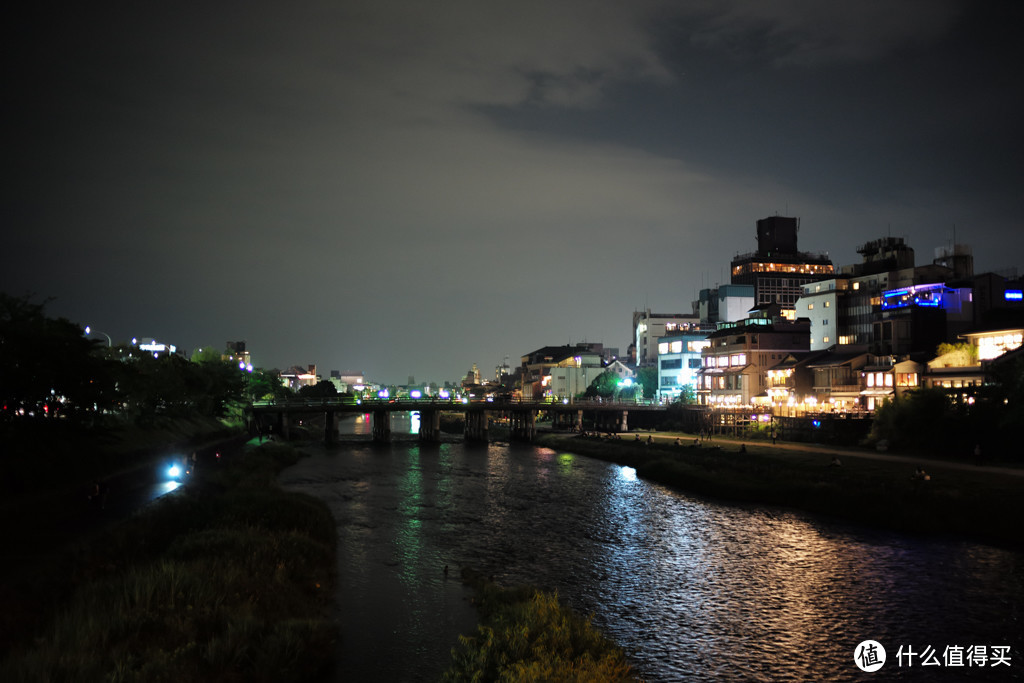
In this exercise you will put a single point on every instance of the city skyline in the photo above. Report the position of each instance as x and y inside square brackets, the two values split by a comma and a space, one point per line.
[402, 190]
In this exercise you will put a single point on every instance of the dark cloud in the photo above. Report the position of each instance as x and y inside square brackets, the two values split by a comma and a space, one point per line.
[408, 189]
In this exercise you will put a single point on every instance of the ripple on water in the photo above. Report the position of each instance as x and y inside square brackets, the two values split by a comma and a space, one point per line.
[693, 590]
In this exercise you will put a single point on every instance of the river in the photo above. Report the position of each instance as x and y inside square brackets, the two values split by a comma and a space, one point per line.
[692, 589]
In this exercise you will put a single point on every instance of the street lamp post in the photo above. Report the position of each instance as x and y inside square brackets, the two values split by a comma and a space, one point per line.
[89, 330]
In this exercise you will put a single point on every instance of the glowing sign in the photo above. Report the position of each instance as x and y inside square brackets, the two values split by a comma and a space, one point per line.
[1014, 295]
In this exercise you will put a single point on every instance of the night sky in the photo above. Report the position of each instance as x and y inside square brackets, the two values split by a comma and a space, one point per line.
[408, 188]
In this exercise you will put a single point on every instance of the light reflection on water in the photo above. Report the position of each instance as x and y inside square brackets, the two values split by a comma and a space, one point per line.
[694, 590]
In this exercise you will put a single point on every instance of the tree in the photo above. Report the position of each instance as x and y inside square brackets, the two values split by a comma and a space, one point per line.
[687, 395]
[604, 385]
[647, 377]
[47, 364]
[322, 389]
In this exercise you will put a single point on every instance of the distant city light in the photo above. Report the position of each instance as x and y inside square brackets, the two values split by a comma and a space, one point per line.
[415, 393]
[1009, 295]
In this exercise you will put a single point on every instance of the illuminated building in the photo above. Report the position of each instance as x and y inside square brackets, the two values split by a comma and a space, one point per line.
[679, 361]
[917, 318]
[734, 366]
[884, 378]
[236, 352]
[571, 376]
[297, 377]
[150, 345]
[536, 365]
[649, 327]
[778, 270]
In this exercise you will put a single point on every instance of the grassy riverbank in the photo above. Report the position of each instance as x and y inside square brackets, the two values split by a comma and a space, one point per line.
[45, 456]
[225, 580]
[528, 635]
[876, 491]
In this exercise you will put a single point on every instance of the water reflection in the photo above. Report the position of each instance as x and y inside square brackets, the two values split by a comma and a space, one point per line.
[693, 589]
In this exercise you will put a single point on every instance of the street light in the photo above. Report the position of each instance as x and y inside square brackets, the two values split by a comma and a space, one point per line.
[89, 330]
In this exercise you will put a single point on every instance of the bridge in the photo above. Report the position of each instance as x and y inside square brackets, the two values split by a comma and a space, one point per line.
[608, 416]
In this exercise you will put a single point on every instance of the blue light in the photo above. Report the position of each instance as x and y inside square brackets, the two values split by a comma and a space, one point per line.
[1014, 295]
[816, 423]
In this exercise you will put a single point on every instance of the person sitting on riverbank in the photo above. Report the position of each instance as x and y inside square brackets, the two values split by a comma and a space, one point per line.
[921, 475]
[835, 462]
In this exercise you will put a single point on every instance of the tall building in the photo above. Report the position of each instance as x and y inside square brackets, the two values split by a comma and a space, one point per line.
[725, 303]
[649, 327]
[778, 270]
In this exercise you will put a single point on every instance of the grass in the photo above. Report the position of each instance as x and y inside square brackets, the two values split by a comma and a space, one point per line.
[528, 635]
[879, 492]
[227, 582]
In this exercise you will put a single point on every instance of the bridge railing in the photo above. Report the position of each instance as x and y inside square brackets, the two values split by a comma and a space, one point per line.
[454, 403]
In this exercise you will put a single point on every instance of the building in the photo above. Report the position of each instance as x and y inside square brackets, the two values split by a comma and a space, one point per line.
[150, 345]
[778, 270]
[886, 377]
[536, 365]
[236, 353]
[735, 364]
[649, 327]
[679, 362]
[836, 382]
[725, 303]
[297, 377]
[571, 376]
[917, 318]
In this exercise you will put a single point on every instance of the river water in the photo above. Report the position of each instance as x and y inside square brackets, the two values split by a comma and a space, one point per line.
[692, 589]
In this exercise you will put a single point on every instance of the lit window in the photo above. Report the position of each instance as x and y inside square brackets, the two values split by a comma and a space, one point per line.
[888, 379]
[810, 307]
[677, 347]
[827, 304]
[825, 340]
[663, 348]
[856, 285]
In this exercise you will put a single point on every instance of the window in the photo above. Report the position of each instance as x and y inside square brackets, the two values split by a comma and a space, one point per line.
[828, 304]
[662, 348]
[694, 363]
[824, 340]
[675, 364]
[676, 347]
[810, 307]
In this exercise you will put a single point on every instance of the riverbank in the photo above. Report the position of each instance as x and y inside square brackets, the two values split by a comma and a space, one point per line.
[979, 503]
[228, 578]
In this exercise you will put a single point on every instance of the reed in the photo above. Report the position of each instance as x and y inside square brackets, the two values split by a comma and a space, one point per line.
[528, 635]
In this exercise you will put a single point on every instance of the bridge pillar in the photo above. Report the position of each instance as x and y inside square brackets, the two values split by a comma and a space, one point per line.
[522, 425]
[624, 421]
[430, 425]
[381, 426]
[283, 426]
[330, 426]
[476, 426]
[577, 420]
